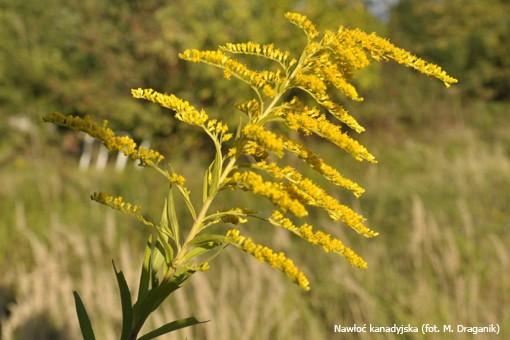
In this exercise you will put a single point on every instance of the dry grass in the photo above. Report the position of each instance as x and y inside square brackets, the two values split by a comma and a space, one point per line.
[443, 275]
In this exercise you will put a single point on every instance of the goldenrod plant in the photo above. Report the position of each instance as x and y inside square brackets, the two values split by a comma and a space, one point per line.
[250, 158]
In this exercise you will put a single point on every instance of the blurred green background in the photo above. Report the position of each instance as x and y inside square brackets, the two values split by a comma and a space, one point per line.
[439, 195]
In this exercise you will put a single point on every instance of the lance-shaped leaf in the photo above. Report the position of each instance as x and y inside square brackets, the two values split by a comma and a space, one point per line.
[143, 308]
[125, 300]
[205, 185]
[145, 275]
[170, 327]
[85, 324]
[172, 216]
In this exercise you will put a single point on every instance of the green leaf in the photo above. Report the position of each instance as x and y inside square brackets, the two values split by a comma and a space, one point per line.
[239, 128]
[155, 297]
[210, 254]
[195, 252]
[163, 222]
[207, 238]
[189, 205]
[205, 186]
[125, 300]
[170, 327]
[172, 216]
[85, 325]
[162, 254]
[145, 275]
[217, 166]
[202, 248]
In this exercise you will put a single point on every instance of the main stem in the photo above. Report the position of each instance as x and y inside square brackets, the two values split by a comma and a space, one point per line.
[195, 228]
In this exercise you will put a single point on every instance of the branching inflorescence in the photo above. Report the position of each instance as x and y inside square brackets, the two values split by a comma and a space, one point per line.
[251, 159]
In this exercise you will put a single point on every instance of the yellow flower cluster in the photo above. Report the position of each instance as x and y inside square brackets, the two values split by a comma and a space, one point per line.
[230, 66]
[349, 56]
[316, 87]
[341, 114]
[307, 192]
[219, 129]
[264, 254]
[265, 51]
[277, 172]
[275, 192]
[382, 49]
[271, 77]
[359, 44]
[184, 111]
[123, 144]
[264, 138]
[250, 107]
[177, 179]
[312, 49]
[116, 203]
[310, 83]
[320, 238]
[319, 165]
[311, 120]
[304, 23]
[251, 148]
[330, 72]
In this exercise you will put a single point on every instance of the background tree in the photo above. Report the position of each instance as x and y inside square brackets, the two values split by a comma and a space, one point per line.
[469, 38]
[87, 55]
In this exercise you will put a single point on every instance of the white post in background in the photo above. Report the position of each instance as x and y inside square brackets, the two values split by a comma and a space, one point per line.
[86, 154]
[121, 161]
[102, 158]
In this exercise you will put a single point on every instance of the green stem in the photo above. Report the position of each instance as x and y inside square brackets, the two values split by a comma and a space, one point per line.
[285, 87]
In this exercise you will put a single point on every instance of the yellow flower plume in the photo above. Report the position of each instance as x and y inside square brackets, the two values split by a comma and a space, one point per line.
[266, 51]
[304, 23]
[230, 67]
[319, 238]
[306, 191]
[264, 138]
[360, 43]
[184, 111]
[319, 165]
[262, 253]
[275, 192]
[103, 133]
[311, 120]
[317, 88]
